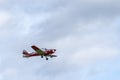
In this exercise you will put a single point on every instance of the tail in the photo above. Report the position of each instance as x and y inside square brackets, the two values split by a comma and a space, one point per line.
[25, 53]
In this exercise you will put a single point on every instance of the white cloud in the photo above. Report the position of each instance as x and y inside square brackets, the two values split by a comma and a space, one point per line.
[2, 1]
[9, 74]
[31, 20]
[5, 20]
[4, 17]
[93, 54]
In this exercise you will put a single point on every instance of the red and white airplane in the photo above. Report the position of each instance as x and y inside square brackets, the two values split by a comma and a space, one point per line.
[39, 52]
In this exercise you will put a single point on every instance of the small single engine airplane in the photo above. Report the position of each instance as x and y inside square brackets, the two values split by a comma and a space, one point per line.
[39, 52]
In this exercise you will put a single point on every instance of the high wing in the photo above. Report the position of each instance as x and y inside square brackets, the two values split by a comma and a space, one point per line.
[38, 50]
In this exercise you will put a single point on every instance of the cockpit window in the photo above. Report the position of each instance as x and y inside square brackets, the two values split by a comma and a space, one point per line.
[43, 49]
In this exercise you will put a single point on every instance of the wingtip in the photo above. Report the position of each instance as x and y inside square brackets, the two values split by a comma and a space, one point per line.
[33, 46]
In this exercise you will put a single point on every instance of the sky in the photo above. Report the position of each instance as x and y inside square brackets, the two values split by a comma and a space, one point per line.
[84, 32]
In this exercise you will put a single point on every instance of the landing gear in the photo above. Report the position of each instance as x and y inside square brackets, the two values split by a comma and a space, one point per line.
[41, 56]
[46, 58]
[51, 56]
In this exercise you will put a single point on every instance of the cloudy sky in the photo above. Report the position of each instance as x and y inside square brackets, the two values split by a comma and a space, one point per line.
[86, 34]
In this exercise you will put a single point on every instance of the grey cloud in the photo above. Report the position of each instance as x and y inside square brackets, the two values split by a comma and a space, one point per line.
[36, 6]
[64, 22]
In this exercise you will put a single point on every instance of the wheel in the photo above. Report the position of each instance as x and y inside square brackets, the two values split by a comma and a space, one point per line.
[46, 58]
[41, 56]
[51, 56]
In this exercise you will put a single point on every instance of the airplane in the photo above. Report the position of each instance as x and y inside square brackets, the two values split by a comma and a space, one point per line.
[39, 52]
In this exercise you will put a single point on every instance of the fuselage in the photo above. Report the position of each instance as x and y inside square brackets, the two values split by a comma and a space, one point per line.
[50, 51]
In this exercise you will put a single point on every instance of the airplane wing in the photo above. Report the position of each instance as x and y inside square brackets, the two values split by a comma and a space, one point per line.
[38, 50]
